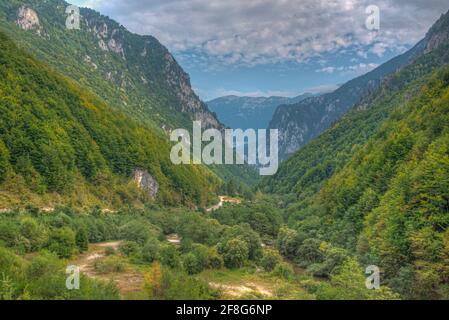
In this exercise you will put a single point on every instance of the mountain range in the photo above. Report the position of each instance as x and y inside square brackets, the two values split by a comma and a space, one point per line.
[131, 73]
[249, 112]
[299, 123]
[376, 182]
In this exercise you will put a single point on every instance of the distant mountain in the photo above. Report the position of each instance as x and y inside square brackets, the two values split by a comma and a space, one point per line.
[249, 112]
[301, 122]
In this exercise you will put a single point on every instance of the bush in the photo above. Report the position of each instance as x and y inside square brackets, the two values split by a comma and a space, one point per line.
[128, 248]
[10, 264]
[109, 251]
[34, 233]
[309, 252]
[62, 242]
[162, 283]
[9, 233]
[82, 240]
[270, 260]
[43, 263]
[248, 235]
[150, 251]
[192, 264]
[333, 258]
[215, 260]
[284, 270]
[235, 253]
[111, 264]
[169, 256]
[138, 231]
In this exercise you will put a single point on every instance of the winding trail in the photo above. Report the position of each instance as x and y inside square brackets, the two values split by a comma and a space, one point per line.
[223, 200]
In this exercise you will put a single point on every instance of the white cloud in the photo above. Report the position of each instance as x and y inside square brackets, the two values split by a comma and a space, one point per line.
[354, 70]
[322, 88]
[251, 32]
[257, 93]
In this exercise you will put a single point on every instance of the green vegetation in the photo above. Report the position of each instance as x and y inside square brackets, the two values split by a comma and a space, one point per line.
[375, 187]
[131, 73]
[57, 139]
[372, 190]
[230, 263]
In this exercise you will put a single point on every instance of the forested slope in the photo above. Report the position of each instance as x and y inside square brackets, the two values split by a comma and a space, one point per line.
[375, 185]
[55, 138]
[132, 73]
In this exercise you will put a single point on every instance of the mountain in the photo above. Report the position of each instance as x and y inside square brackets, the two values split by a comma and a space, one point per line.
[60, 145]
[376, 182]
[301, 122]
[249, 112]
[133, 73]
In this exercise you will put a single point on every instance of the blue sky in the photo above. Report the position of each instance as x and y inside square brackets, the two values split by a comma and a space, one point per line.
[274, 47]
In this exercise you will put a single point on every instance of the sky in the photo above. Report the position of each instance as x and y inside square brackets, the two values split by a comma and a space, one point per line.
[275, 47]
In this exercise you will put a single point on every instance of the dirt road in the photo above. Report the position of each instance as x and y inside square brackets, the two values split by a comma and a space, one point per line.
[223, 200]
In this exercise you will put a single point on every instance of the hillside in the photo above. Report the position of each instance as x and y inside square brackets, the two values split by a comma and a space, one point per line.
[249, 112]
[133, 73]
[298, 124]
[376, 183]
[61, 145]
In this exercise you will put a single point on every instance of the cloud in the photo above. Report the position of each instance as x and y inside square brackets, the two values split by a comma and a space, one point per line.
[253, 32]
[256, 93]
[354, 70]
[324, 88]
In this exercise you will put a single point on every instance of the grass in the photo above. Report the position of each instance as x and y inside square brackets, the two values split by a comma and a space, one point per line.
[247, 283]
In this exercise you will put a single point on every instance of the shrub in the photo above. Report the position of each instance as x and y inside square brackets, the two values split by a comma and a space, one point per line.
[137, 231]
[248, 235]
[109, 251]
[162, 283]
[150, 250]
[82, 240]
[284, 270]
[34, 233]
[169, 256]
[309, 252]
[62, 242]
[192, 264]
[333, 258]
[235, 253]
[215, 259]
[129, 248]
[270, 260]
[111, 264]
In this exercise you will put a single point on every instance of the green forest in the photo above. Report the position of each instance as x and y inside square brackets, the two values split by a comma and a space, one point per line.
[384, 199]
[57, 138]
[77, 141]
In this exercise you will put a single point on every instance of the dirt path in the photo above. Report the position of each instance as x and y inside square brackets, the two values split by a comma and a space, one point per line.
[235, 291]
[127, 282]
[223, 200]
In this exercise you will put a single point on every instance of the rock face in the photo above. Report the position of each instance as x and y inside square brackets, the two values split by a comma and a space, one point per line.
[149, 63]
[146, 182]
[179, 82]
[27, 19]
[438, 34]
